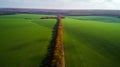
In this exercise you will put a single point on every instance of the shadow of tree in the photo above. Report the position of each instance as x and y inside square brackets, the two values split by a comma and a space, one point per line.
[49, 56]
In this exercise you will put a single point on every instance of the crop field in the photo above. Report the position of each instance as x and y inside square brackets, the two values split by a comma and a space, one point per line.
[92, 43]
[89, 41]
[24, 39]
[97, 18]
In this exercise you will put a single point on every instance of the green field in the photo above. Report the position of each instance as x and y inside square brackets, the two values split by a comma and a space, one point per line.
[89, 41]
[97, 18]
[24, 39]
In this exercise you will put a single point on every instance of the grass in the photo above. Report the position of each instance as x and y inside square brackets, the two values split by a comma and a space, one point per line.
[98, 18]
[91, 43]
[24, 39]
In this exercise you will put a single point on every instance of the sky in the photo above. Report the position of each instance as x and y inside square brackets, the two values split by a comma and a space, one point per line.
[62, 4]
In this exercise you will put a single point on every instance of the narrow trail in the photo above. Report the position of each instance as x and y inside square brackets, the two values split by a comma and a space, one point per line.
[55, 55]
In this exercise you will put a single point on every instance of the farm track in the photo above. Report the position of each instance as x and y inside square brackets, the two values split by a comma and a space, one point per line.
[55, 55]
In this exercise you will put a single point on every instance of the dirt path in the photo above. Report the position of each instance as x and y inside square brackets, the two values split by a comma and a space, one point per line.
[58, 56]
[55, 55]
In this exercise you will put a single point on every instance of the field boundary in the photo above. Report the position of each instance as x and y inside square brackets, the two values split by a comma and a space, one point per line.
[58, 56]
[55, 54]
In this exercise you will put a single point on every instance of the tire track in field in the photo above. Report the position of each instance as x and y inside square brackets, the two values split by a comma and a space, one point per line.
[55, 55]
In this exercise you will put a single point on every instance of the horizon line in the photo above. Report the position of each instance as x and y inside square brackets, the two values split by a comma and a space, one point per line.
[54, 8]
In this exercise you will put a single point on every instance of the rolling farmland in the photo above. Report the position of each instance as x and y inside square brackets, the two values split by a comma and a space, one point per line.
[89, 41]
[24, 39]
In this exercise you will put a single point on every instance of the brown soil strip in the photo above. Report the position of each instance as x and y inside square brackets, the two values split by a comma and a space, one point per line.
[55, 55]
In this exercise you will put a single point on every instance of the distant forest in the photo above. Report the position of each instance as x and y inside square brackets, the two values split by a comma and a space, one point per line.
[4, 11]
